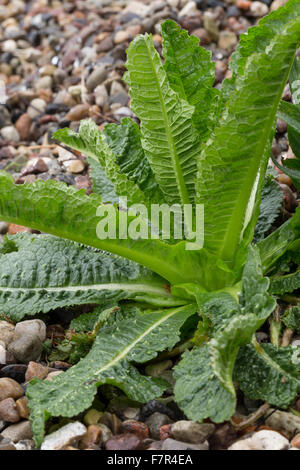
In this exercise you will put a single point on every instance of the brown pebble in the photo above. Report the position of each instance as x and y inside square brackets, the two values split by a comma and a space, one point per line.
[92, 437]
[243, 4]
[9, 411]
[136, 427]
[34, 167]
[296, 441]
[165, 431]
[284, 179]
[124, 442]
[83, 182]
[22, 407]
[75, 166]
[9, 388]
[14, 228]
[23, 126]
[77, 113]
[35, 369]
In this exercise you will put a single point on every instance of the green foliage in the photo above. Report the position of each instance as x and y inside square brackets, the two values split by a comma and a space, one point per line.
[136, 339]
[284, 284]
[291, 318]
[195, 144]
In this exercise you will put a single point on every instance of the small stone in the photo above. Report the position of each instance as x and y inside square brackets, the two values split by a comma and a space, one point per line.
[106, 432]
[285, 179]
[53, 374]
[172, 444]
[203, 35]
[262, 440]
[65, 436]
[131, 412]
[101, 96]
[10, 134]
[124, 442]
[6, 444]
[122, 36]
[243, 4]
[227, 40]
[18, 432]
[155, 370]
[74, 166]
[136, 427]
[223, 437]
[97, 76]
[190, 431]
[83, 182]
[9, 411]
[3, 231]
[9, 388]
[25, 444]
[14, 371]
[34, 167]
[93, 436]
[36, 108]
[92, 417]
[259, 9]
[278, 4]
[211, 26]
[14, 228]
[32, 328]
[281, 126]
[26, 348]
[78, 112]
[44, 83]
[154, 423]
[189, 9]
[284, 422]
[2, 354]
[106, 45]
[35, 369]
[7, 331]
[295, 442]
[22, 407]
[23, 126]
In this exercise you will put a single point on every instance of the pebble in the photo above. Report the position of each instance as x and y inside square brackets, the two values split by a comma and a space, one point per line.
[26, 348]
[78, 112]
[36, 108]
[7, 331]
[67, 435]
[14, 371]
[14, 228]
[136, 427]
[92, 417]
[25, 444]
[189, 9]
[9, 411]
[18, 432]
[172, 444]
[125, 441]
[3, 230]
[2, 354]
[35, 369]
[284, 422]
[154, 423]
[10, 134]
[22, 407]
[122, 36]
[34, 166]
[23, 125]
[93, 436]
[74, 166]
[97, 77]
[259, 9]
[34, 327]
[190, 431]
[52, 375]
[101, 96]
[9, 388]
[277, 4]
[43, 82]
[6, 444]
[227, 40]
[262, 440]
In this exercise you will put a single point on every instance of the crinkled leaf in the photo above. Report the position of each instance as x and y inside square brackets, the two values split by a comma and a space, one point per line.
[268, 373]
[284, 284]
[136, 340]
[291, 318]
[101, 185]
[191, 74]
[46, 272]
[169, 139]
[86, 322]
[232, 165]
[271, 202]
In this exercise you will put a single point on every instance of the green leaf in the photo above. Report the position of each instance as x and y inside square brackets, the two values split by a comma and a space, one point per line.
[136, 340]
[291, 318]
[63, 211]
[268, 373]
[284, 284]
[47, 272]
[86, 322]
[279, 241]
[290, 114]
[232, 165]
[191, 74]
[125, 142]
[271, 202]
[89, 141]
[101, 184]
[169, 139]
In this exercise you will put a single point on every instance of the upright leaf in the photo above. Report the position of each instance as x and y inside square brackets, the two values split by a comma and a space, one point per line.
[169, 139]
[232, 165]
[191, 74]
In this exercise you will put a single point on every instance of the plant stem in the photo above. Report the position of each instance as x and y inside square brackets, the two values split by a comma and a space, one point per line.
[252, 418]
[286, 337]
[275, 328]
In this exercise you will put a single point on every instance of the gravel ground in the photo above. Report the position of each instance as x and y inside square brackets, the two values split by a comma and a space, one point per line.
[61, 62]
